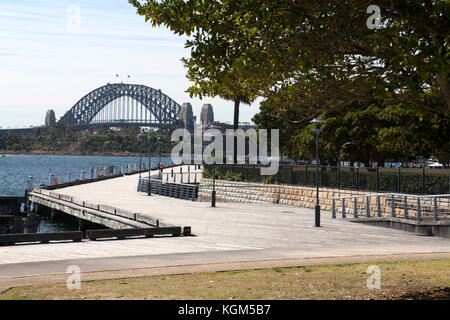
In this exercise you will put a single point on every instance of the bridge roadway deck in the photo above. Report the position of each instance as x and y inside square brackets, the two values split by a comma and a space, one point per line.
[229, 233]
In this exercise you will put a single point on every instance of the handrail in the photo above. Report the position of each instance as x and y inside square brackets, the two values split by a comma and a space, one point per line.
[164, 182]
[406, 180]
[168, 188]
[392, 206]
[395, 194]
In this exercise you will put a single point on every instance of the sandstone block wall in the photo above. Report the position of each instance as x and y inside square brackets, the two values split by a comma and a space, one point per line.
[231, 191]
[300, 196]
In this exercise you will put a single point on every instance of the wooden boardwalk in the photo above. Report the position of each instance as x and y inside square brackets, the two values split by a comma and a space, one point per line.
[100, 211]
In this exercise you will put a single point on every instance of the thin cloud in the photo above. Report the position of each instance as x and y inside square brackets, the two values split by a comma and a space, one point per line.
[56, 66]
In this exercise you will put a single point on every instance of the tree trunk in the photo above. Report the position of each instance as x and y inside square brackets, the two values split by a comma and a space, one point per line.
[235, 127]
[445, 88]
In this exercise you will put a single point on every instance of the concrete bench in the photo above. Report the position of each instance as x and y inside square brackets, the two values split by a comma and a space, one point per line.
[126, 233]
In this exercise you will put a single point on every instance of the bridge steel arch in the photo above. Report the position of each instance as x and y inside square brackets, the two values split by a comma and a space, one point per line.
[163, 108]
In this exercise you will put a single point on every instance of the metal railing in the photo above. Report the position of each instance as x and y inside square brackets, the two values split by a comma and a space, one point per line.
[393, 205]
[169, 189]
[399, 180]
[191, 175]
[94, 173]
[185, 177]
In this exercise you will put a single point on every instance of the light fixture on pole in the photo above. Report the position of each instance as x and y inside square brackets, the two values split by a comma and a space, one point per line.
[140, 153]
[159, 151]
[149, 191]
[213, 194]
[345, 145]
[159, 160]
[317, 131]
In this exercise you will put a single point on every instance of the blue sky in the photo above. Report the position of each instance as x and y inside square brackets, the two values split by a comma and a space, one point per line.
[49, 58]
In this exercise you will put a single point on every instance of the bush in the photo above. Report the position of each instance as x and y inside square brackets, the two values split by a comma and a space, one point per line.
[268, 180]
[230, 176]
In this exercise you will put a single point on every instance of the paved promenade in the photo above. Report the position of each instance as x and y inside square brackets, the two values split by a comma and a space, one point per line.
[229, 233]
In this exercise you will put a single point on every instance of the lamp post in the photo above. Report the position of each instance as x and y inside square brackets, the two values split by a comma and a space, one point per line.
[213, 194]
[159, 160]
[159, 152]
[317, 131]
[140, 154]
[149, 191]
[348, 143]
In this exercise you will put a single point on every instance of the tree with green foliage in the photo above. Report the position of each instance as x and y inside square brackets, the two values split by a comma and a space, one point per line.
[313, 55]
[59, 138]
[372, 131]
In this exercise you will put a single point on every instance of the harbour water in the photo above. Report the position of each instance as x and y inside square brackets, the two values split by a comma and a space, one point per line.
[16, 169]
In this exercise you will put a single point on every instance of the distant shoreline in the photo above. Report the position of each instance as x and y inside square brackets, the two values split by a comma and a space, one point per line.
[95, 154]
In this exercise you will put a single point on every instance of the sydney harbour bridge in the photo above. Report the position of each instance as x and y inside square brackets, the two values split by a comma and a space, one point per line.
[122, 104]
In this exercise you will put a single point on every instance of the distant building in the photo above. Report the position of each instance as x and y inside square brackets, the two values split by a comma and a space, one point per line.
[222, 126]
[187, 120]
[207, 115]
[50, 118]
[186, 117]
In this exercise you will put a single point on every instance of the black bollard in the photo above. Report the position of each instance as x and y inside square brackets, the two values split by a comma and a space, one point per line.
[213, 193]
[181, 174]
[213, 199]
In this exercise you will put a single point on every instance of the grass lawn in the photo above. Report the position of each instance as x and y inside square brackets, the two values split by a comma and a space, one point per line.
[399, 280]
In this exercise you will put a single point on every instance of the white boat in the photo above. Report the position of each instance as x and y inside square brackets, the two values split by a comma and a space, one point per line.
[435, 165]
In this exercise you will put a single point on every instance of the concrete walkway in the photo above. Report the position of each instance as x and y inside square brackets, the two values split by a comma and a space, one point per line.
[229, 233]
[119, 270]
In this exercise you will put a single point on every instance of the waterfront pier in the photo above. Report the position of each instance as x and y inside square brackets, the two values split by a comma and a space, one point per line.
[67, 199]
[230, 236]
